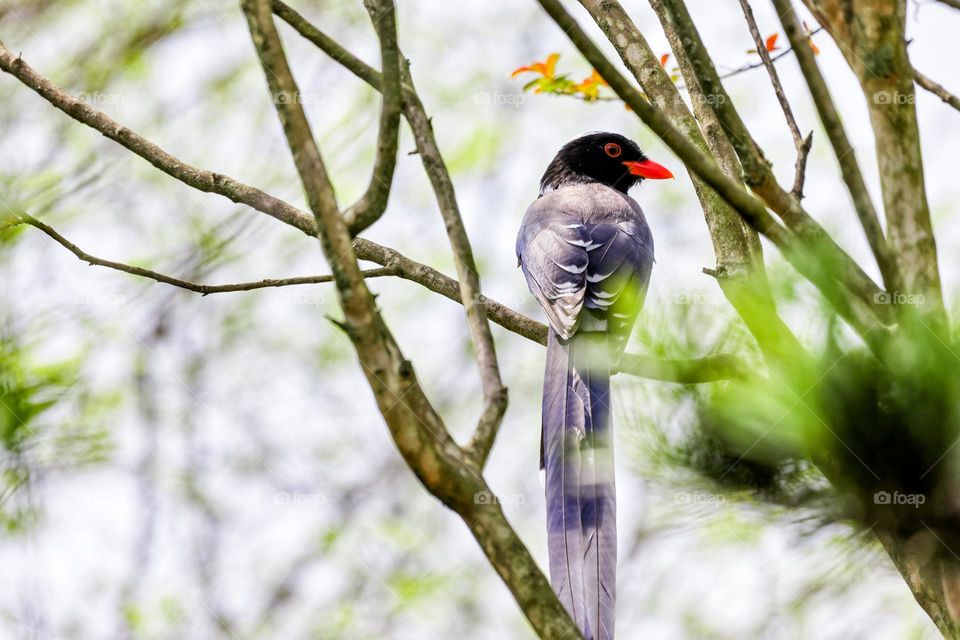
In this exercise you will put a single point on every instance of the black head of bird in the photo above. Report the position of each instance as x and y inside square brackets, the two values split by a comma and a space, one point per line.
[607, 158]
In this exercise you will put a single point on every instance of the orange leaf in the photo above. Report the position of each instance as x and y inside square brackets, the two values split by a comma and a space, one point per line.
[771, 44]
[594, 78]
[816, 49]
[590, 86]
[551, 64]
[536, 67]
[663, 59]
[545, 68]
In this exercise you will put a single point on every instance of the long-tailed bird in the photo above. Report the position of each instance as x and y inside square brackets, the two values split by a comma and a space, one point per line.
[586, 252]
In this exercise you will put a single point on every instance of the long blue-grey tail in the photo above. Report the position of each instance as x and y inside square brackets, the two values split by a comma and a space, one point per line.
[577, 457]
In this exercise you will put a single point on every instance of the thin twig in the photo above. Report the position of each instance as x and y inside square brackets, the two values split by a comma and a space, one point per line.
[756, 65]
[697, 370]
[802, 145]
[774, 58]
[204, 289]
[936, 89]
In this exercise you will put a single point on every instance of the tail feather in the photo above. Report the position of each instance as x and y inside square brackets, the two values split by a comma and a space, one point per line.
[561, 461]
[598, 489]
[578, 460]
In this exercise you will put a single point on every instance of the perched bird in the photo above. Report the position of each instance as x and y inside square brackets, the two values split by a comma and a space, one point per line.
[586, 252]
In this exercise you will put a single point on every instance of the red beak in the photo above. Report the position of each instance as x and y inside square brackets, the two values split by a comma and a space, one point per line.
[649, 169]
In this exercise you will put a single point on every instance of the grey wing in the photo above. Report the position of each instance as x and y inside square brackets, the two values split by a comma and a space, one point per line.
[620, 259]
[587, 252]
[553, 256]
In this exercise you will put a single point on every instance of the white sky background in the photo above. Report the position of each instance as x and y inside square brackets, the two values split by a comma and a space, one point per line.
[282, 408]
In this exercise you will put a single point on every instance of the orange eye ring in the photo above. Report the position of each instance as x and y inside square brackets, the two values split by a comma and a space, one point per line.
[612, 149]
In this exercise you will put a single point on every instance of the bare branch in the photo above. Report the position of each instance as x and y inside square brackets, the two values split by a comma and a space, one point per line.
[802, 145]
[708, 369]
[951, 3]
[495, 394]
[204, 289]
[328, 45]
[296, 128]
[846, 157]
[414, 423]
[373, 203]
[936, 89]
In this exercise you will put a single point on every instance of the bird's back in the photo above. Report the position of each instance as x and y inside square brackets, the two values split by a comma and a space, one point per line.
[587, 252]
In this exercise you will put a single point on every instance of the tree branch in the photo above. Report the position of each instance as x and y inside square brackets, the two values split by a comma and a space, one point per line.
[328, 45]
[802, 144]
[415, 425]
[495, 394]
[757, 65]
[843, 150]
[936, 89]
[203, 289]
[707, 369]
[712, 368]
[373, 203]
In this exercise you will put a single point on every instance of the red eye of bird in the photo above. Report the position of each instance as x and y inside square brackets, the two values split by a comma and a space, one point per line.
[612, 149]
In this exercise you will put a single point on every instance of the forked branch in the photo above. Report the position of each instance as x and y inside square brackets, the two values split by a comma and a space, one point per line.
[494, 393]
